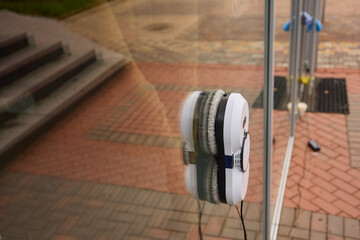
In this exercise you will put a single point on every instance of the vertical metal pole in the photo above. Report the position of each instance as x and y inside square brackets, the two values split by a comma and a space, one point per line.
[298, 7]
[291, 49]
[316, 49]
[314, 42]
[268, 108]
[303, 48]
[323, 12]
[310, 10]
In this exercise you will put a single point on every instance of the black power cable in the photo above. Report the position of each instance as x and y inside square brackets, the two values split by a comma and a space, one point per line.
[297, 210]
[200, 214]
[240, 213]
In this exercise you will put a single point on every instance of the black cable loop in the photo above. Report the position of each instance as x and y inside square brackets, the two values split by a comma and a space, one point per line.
[241, 217]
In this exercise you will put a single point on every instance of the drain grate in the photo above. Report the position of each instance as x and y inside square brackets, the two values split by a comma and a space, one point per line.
[158, 27]
[280, 96]
[331, 96]
[328, 95]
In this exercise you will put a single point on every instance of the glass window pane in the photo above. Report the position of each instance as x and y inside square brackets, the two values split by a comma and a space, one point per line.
[320, 198]
[104, 158]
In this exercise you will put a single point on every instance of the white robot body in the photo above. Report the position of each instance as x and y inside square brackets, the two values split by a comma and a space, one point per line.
[232, 142]
[187, 116]
[236, 112]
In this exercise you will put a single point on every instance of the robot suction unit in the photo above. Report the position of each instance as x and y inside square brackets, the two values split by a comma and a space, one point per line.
[214, 127]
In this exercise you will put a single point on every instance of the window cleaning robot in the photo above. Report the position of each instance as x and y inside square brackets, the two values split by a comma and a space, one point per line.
[216, 149]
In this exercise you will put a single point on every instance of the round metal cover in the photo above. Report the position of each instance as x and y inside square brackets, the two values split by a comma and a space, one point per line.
[158, 27]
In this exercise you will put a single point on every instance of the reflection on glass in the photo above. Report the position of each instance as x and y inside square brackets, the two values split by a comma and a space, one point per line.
[112, 166]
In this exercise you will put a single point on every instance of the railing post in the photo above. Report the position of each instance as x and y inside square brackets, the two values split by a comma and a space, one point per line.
[268, 108]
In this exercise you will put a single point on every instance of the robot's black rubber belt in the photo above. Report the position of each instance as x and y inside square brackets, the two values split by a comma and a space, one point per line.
[219, 135]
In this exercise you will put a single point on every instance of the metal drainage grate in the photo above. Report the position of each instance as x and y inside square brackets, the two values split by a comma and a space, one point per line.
[328, 95]
[280, 96]
[331, 96]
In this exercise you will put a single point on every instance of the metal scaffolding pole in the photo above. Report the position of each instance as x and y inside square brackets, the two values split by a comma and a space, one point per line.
[295, 67]
[290, 76]
[268, 109]
[313, 46]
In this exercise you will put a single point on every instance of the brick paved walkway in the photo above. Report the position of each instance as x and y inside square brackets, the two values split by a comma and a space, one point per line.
[41, 207]
[142, 126]
[141, 110]
[327, 181]
[209, 32]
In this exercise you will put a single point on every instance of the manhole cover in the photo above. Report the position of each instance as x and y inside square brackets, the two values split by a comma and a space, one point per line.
[158, 27]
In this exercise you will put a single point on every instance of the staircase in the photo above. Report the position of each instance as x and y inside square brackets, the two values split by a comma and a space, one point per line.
[40, 83]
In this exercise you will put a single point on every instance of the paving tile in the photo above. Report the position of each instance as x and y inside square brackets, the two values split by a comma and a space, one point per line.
[141, 197]
[177, 226]
[82, 232]
[318, 222]
[165, 201]
[343, 185]
[64, 237]
[152, 200]
[332, 209]
[300, 233]
[253, 212]
[157, 233]
[220, 210]
[232, 233]
[138, 226]
[253, 225]
[303, 219]
[352, 227]
[287, 216]
[191, 218]
[180, 202]
[317, 235]
[120, 231]
[334, 237]
[173, 215]
[191, 205]
[129, 195]
[282, 237]
[208, 208]
[104, 224]
[346, 208]
[335, 225]
[284, 231]
[157, 218]
[215, 225]
[177, 236]
[124, 217]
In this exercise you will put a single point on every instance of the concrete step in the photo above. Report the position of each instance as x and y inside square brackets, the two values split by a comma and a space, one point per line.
[15, 134]
[13, 44]
[16, 56]
[17, 97]
[18, 66]
[41, 83]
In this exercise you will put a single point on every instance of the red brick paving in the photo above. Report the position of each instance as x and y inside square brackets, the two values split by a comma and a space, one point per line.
[329, 184]
[152, 121]
[65, 152]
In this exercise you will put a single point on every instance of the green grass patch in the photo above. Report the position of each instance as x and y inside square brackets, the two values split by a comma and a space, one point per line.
[48, 8]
